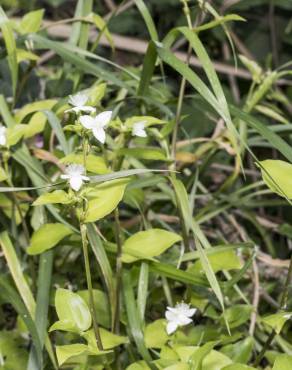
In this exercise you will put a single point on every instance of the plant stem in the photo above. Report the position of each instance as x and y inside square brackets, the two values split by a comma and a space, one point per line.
[283, 306]
[119, 270]
[83, 231]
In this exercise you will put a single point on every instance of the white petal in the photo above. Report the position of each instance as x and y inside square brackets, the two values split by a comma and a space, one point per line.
[171, 316]
[74, 109]
[171, 327]
[2, 140]
[140, 132]
[191, 312]
[102, 119]
[76, 182]
[99, 134]
[85, 178]
[183, 320]
[87, 108]
[65, 177]
[87, 122]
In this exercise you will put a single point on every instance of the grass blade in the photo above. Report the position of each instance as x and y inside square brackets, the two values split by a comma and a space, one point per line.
[133, 317]
[57, 128]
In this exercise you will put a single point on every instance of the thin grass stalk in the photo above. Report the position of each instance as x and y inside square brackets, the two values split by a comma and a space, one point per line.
[119, 271]
[283, 306]
[83, 231]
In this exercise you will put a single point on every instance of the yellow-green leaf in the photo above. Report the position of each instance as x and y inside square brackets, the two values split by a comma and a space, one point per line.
[40, 241]
[94, 163]
[277, 175]
[148, 244]
[106, 198]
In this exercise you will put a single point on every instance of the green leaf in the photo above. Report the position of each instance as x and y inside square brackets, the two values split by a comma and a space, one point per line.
[253, 67]
[196, 360]
[155, 335]
[68, 55]
[58, 130]
[10, 44]
[148, 121]
[15, 355]
[215, 361]
[101, 25]
[103, 263]
[133, 317]
[94, 163]
[240, 351]
[9, 209]
[3, 175]
[40, 241]
[14, 299]
[15, 134]
[31, 22]
[57, 196]
[277, 175]
[275, 140]
[68, 352]
[283, 362]
[108, 339]
[35, 125]
[34, 107]
[152, 154]
[237, 315]
[104, 199]
[222, 260]
[277, 321]
[183, 204]
[121, 174]
[140, 365]
[16, 272]
[101, 304]
[71, 310]
[148, 244]
[147, 19]
[23, 55]
[238, 367]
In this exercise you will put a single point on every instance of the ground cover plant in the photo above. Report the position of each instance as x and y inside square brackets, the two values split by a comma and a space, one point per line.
[146, 185]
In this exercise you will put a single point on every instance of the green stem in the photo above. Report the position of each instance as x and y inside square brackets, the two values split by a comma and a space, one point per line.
[119, 271]
[283, 306]
[83, 231]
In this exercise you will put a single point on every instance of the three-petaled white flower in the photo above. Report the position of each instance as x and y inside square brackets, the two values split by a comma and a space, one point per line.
[97, 124]
[3, 137]
[139, 129]
[74, 173]
[78, 102]
[177, 316]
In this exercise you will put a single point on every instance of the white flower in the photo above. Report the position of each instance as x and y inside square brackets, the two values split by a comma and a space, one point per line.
[177, 316]
[75, 174]
[97, 124]
[78, 101]
[3, 138]
[139, 129]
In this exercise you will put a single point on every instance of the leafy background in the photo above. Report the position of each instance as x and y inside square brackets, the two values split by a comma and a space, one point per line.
[250, 221]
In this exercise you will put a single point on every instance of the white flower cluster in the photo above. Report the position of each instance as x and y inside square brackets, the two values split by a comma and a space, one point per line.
[97, 124]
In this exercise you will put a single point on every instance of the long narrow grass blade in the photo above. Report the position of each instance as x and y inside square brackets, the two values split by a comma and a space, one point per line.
[103, 262]
[16, 272]
[133, 317]
[9, 294]
[57, 128]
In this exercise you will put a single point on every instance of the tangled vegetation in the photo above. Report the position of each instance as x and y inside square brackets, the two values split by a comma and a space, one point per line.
[146, 186]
